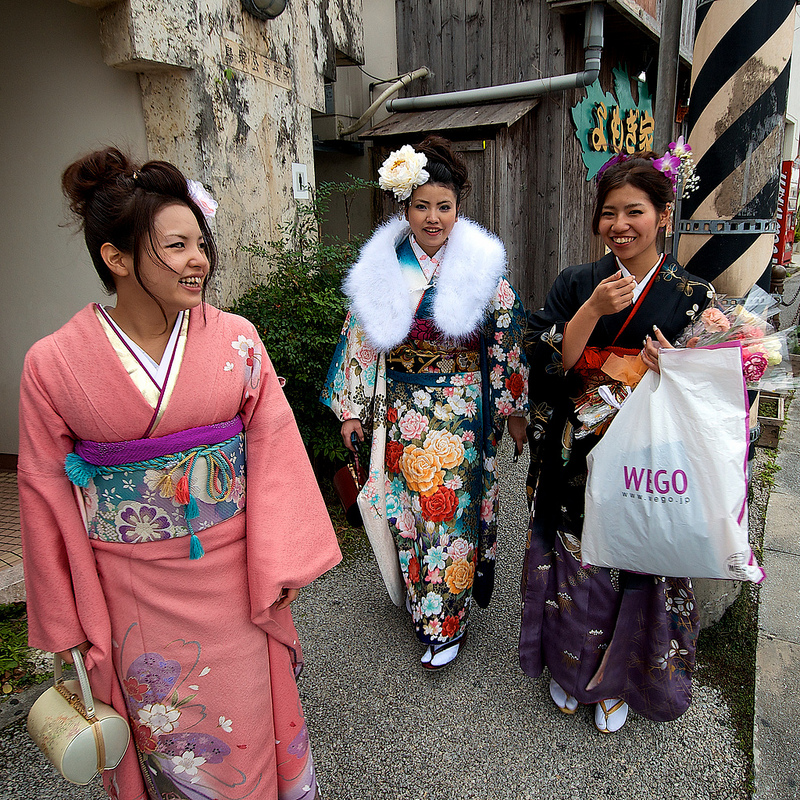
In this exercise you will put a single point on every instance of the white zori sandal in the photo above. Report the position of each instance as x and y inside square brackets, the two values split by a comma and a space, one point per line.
[610, 715]
[440, 655]
[565, 702]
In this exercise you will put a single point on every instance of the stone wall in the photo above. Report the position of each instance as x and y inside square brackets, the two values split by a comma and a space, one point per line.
[228, 98]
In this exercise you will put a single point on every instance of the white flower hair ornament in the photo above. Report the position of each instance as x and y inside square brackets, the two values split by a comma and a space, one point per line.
[202, 197]
[403, 172]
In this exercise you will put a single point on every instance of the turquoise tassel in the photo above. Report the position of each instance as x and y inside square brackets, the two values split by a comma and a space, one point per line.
[196, 548]
[192, 511]
[80, 472]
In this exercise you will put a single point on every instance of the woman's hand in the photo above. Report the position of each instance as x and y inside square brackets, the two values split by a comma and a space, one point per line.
[517, 429]
[285, 598]
[612, 294]
[651, 349]
[349, 427]
[66, 655]
[609, 296]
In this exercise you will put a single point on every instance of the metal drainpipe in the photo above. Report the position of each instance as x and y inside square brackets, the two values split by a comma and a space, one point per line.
[593, 48]
[402, 81]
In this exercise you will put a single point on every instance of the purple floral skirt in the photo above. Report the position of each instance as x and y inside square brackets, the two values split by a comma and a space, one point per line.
[605, 633]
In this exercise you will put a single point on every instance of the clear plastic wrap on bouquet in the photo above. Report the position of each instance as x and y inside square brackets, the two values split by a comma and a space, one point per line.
[765, 351]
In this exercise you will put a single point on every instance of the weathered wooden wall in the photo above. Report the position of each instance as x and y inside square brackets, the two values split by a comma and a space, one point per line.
[540, 203]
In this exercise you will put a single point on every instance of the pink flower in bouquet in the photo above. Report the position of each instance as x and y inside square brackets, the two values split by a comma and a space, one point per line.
[754, 365]
[714, 321]
[752, 332]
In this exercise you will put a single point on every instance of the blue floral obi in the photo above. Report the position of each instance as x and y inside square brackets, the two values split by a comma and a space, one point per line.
[147, 490]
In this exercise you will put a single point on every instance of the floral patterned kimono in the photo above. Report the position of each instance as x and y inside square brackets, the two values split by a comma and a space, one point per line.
[437, 423]
[602, 633]
[158, 556]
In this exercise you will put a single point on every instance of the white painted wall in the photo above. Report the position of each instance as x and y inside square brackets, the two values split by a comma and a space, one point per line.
[58, 101]
[790, 140]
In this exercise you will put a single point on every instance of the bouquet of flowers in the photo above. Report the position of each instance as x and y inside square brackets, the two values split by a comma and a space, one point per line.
[765, 352]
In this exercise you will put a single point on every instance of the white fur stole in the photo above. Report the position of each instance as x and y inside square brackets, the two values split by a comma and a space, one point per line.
[474, 261]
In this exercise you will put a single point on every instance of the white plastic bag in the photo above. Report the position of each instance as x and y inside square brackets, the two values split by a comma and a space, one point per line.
[666, 492]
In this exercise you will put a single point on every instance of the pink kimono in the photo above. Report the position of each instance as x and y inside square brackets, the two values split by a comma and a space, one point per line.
[189, 648]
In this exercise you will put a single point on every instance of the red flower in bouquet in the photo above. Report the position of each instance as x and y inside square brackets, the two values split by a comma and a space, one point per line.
[754, 365]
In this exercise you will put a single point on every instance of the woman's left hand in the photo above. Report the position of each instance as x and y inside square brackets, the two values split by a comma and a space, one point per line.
[652, 347]
[285, 598]
[517, 429]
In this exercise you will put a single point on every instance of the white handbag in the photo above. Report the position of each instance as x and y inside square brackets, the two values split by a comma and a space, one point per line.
[80, 737]
[666, 492]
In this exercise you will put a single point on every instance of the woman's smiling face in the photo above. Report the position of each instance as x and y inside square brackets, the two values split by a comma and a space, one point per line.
[176, 274]
[431, 213]
[629, 223]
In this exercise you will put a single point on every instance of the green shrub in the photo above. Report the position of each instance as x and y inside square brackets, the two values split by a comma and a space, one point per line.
[299, 310]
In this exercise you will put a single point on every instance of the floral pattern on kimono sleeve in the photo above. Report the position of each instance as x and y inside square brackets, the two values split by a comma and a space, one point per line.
[505, 394]
[350, 385]
[505, 355]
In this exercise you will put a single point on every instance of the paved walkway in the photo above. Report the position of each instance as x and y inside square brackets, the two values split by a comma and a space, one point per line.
[777, 707]
[382, 727]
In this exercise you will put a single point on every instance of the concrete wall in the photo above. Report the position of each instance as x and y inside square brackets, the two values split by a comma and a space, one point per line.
[59, 100]
[228, 98]
[352, 96]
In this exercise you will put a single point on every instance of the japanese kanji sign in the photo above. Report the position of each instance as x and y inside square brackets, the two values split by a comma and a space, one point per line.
[606, 125]
[237, 56]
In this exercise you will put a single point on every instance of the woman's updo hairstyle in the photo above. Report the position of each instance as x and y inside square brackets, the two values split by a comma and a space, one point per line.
[116, 201]
[445, 166]
[637, 171]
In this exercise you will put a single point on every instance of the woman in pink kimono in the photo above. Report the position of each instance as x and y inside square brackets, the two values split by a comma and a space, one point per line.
[147, 552]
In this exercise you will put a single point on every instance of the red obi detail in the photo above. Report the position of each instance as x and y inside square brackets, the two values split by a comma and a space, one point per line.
[426, 330]
[593, 358]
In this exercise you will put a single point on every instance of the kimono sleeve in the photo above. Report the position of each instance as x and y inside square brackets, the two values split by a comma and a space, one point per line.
[57, 555]
[505, 355]
[350, 385]
[547, 383]
[290, 538]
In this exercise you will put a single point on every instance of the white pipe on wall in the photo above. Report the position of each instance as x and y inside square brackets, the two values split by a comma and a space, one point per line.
[402, 81]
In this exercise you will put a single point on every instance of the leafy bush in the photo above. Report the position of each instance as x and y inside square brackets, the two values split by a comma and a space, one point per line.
[17, 669]
[299, 310]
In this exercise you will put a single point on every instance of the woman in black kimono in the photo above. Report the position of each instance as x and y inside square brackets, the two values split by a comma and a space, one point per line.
[608, 637]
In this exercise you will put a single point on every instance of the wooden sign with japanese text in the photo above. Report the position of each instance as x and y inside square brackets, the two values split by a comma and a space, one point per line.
[607, 125]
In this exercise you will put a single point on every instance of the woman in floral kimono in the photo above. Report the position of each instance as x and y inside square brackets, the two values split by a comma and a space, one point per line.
[147, 553]
[430, 359]
[612, 638]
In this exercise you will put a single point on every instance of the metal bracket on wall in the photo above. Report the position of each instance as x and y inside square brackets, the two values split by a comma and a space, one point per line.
[715, 226]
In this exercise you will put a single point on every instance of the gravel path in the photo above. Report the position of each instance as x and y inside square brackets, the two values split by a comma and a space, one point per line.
[382, 727]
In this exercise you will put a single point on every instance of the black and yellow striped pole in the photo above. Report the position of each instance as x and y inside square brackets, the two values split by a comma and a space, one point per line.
[740, 81]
